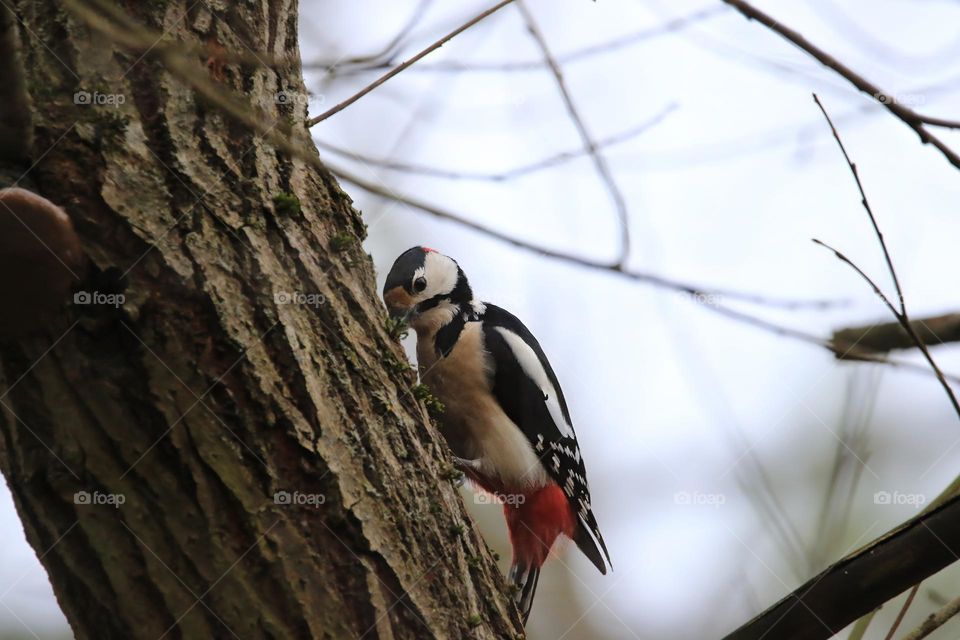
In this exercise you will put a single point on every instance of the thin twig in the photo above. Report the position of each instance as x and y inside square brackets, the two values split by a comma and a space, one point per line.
[502, 176]
[901, 315]
[392, 45]
[909, 117]
[701, 294]
[603, 170]
[433, 47]
[886, 336]
[904, 322]
[935, 620]
[933, 121]
[873, 219]
[860, 272]
[455, 66]
[903, 612]
[866, 206]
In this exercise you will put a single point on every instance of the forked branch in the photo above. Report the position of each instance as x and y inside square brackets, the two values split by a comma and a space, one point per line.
[899, 312]
[399, 68]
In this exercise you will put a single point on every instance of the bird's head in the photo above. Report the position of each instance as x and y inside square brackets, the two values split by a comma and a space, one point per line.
[422, 279]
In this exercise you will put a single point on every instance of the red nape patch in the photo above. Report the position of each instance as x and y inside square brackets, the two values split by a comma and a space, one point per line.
[428, 250]
[535, 525]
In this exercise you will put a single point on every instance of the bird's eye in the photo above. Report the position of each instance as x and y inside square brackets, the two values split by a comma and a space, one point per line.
[419, 284]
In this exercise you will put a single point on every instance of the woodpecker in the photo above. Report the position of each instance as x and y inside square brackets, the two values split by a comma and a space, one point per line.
[505, 417]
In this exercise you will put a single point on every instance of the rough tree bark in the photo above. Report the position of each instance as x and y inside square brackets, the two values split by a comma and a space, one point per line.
[204, 394]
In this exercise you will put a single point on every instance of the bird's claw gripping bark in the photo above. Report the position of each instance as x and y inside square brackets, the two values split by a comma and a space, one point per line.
[466, 467]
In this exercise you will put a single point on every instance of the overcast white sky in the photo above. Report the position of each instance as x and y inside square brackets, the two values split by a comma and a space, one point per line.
[726, 191]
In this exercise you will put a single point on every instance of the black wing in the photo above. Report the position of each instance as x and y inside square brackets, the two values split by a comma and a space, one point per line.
[529, 393]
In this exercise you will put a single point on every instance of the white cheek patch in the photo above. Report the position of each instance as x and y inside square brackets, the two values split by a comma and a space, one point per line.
[440, 272]
[531, 366]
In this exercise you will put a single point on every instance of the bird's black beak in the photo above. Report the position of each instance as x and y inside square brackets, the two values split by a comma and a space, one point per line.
[400, 304]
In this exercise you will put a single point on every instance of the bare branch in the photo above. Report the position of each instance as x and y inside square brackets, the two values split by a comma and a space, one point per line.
[396, 70]
[904, 322]
[902, 612]
[707, 298]
[935, 620]
[394, 42]
[909, 117]
[849, 351]
[700, 294]
[939, 122]
[603, 170]
[509, 174]
[887, 336]
[901, 315]
[860, 272]
[866, 206]
[857, 584]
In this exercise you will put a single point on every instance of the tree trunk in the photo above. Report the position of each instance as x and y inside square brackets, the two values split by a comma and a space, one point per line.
[235, 450]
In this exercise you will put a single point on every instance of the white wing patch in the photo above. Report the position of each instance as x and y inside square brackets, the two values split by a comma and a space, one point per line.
[531, 366]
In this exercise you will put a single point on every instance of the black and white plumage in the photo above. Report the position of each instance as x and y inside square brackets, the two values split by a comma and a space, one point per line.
[506, 419]
[528, 390]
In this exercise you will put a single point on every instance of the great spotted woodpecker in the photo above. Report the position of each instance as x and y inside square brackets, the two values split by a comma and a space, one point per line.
[505, 417]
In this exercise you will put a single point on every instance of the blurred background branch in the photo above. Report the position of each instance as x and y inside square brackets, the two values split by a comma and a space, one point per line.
[591, 147]
[935, 620]
[888, 99]
[408, 63]
[542, 164]
[883, 337]
[348, 67]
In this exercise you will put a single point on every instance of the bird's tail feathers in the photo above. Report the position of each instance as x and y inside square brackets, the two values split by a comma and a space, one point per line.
[524, 578]
[586, 537]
